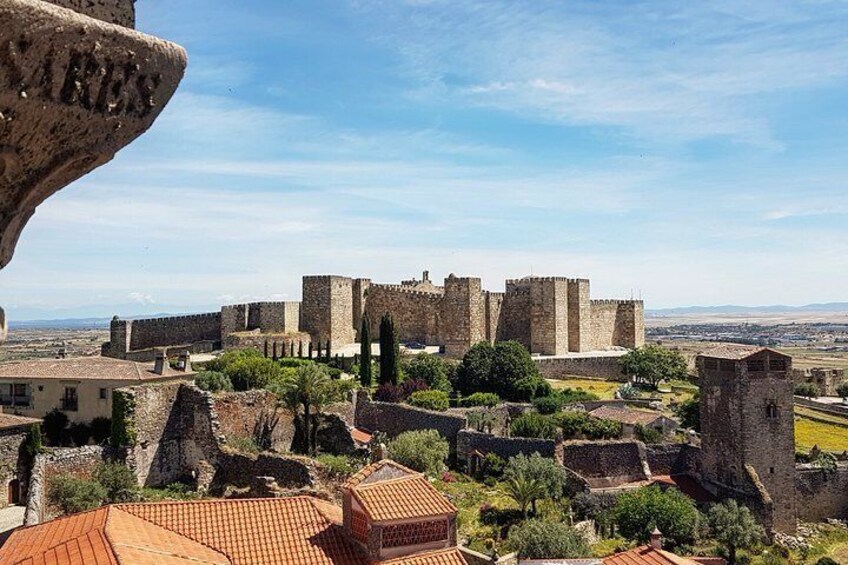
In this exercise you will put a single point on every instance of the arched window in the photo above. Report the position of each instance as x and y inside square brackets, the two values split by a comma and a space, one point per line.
[771, 411]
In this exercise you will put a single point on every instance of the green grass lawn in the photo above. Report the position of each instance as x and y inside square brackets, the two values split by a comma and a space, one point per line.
[828, 437]
[604, 389]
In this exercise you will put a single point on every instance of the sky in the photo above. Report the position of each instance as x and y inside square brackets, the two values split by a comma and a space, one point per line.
[691, 153]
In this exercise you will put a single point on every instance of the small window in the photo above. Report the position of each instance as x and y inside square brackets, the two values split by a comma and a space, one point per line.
[771, 470]
[104, 393]
[771, 411]
[40, 388]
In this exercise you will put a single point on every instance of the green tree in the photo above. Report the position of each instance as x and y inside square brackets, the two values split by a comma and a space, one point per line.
[543, 539]
[431, 369]
[389, 351]
[436, 400]
[825, 461]
[73, 494]
[101, 429]
[252, 372]
[525, 491]
[119, 482]
[807, 390]
[535, 425]
[422, 450]
[689, 412]
[213, 381]
[366, 378]
[55, 427]
[638, 512]
[80, 433]
[547, 471]
[735, 527]
[651, 364]
[309, 389]
[505, 369]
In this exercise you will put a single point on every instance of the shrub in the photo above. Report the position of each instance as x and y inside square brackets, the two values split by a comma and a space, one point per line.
[628, 392]
[252, 372]
[33, 444]
[430, 399]
[575, 395]
[244, 444]
[222, 362]
[488, 399]
[572, 423]
[80, 433]
[807, 390]
[493, 465]
[387, 392]
[597, 428]
[431, 369]
[213, 381]
[119, 482]
[547, 471]
[638, 512]
[411, 386]
[101, 429]
[505, 369]
[651, 364]
[340, 389]
[540, 539]
[72, 494]
[533, 425]
[55, 427]
[735, 527]
[548, 404]
[647, 434]
[826, 560]
[422, 450]
[338, 466]
[293, 363]
[842, 390]
[494, 516]
[689, 412]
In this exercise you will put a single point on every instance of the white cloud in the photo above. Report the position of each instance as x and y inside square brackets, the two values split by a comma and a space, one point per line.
[141, 298]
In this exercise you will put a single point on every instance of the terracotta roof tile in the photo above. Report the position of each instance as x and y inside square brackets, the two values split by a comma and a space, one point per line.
[407, 497]
[450, 556]
[360, 436]
[8, 421]
[736, 352]
[383, 469]
[647, 555]
[84, 368]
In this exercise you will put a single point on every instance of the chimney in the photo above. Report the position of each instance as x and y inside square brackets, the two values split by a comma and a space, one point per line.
[656, 539]
[184, 362]
[161, 364]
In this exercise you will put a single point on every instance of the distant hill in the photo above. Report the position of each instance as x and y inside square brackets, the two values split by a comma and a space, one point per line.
[735, 309]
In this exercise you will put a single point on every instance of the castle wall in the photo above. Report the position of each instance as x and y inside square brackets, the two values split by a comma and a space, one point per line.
[515, 314]
[821, 495]
[549, 316]
[415, 313]
[607, 367]
[462, 315]
[469, 441]
[493, 316]
[327, 309]
[579, 316]
[361, 292]
[606, 464]
[674, 459]
[175, 330]
[617, 323]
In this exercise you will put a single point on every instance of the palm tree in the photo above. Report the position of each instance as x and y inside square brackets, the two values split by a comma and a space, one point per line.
[525, 491]
[310, 389]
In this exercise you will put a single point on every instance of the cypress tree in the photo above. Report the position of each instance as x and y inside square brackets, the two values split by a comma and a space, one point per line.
[300, 349]
[327, 353]
[291, 348]
[310, 350]
[395, 353]
[389, 351]
[365, 377]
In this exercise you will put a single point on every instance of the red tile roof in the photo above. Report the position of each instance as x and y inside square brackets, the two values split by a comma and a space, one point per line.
[687, 485]
[647, 555]
[737, 352]
[450, 556]
[85, 368]
[360, 436]
[8, 421]
[383, 469]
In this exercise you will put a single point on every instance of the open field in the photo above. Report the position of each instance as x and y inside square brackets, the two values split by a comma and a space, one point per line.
[40, 343]
[604, 389]
[809, 432]
[762, 318]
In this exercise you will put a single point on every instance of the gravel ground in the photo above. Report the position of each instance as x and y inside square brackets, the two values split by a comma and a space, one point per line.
[10, 518]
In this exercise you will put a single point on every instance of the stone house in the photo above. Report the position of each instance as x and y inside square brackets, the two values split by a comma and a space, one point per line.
[13, 471]
[80, 387]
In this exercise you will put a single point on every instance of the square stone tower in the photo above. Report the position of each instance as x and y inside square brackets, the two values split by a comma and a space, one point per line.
[748, 433]
[327, 309]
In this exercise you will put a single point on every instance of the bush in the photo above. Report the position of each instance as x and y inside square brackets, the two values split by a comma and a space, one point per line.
[651, 364]
[55, 427]
[505, 369]
[572, 423]
[119, 482]
[628, 392]
[338, 466]
[493, 516]
[547, 471]
[548, 404]
[493, 465]
[33, 444]
[431, 369]
[533, 425]
[422, 450]
[430, 399]
[252, 372]
[487, 399]
[647, 434]
[689, 412]
[79, 433]
[213, 381]
[387, 392]
[411, 386]
[293, 362]
[826, 560]
[244, 445]
[538, 539]
[842, 390]
[807, 390]
[575, 395]
[638, 512]
[101, 429]
[340, 389]
[72, 494]
[597, 428]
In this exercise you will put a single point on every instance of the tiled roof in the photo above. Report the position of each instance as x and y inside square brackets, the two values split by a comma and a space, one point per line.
[450, 556]
[687, 485]
[626, 415]
[360, 436]
[383, 469]
[11, 421]
[397, 499]
[646, 555]
[284, 531]
[736, 352]
[84, 368]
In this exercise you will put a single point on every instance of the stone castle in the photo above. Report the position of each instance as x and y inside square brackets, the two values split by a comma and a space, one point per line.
[549, 315]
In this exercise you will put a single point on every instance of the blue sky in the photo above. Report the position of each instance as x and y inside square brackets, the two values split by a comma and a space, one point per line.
[693, 152]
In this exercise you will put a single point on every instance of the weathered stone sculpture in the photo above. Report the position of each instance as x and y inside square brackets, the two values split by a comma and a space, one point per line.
[76, 85]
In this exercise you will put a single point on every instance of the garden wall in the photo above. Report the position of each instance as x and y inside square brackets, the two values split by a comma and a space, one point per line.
[394, 419]
[249, 473]
[469, 441]
[674, 459]
[607, 464]
[821, 495]
[238, 413]
[835, 409]
[585, 366]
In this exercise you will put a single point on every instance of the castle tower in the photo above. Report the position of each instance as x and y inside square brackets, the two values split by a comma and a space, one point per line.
[463, 312]
[327, 309]
[549, 315]
[579, 316]
[748, 437]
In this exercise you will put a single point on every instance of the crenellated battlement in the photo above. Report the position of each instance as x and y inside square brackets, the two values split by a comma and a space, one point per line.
[436, 294]
[616, 302]
[177, 318]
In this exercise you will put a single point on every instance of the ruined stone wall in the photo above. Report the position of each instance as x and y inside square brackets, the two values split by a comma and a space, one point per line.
[606, 367]
[12, 464]
[579, 316]
[821, 495]
[240, 471]
[394, 419]
[826, 379]
[416, 313]
[674, 459]
[469, 441]
[607, 463]
[120, 12]
[238, 412]
[327, 309]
